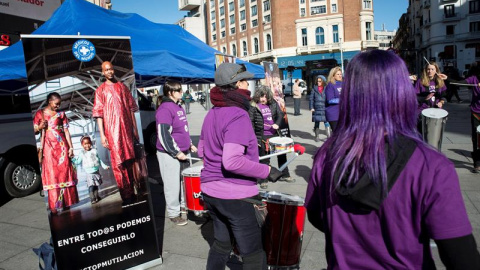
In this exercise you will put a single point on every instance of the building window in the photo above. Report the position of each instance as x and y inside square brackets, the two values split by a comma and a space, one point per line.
[245, 52]
[450, 30]
[242, 15]
[255, 45]
[316, 0]
[214, 26]
[449, 11]
[474, 6]
[222, 11]
[243, 27]
[234, 50]
[304, 37]
[212, 3]
[368, 30]
[302, 12]
[224, 50]
[220, 1]
[212, 15]
[254, 23]
[231, 6]
[266, 5]
[476, 46]
[267, 18]
[334, 8]
[254, 11]
[232, 30]
[335, 33]
[242, 3]
[222, 23]
[222, 34]
[214, 37]
[367, 4]
[475, 26]
[320, 36]
[232, 19]
[269, 42]
[302, 1]
[318, 10]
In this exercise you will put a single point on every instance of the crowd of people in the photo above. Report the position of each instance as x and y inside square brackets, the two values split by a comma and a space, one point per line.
[377, 191]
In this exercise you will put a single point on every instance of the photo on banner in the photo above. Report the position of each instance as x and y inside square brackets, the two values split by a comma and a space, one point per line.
[223, 58]
[89, 145]
[273, 81]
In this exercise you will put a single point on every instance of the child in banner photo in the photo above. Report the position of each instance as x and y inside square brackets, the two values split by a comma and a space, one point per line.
[91, 163]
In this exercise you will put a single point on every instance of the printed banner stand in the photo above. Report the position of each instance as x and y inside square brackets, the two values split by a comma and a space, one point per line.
[93, 163]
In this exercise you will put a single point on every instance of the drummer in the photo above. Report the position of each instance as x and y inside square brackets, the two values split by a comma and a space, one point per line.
[431, 89]
[173, 146]
[230, 154]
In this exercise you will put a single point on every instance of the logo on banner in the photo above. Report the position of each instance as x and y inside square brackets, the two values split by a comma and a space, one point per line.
[83, 50]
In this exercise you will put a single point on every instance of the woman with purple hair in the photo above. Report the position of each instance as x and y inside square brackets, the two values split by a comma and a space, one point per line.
[376, 190]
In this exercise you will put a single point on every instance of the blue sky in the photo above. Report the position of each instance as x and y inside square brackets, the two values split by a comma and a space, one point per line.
[386, 12]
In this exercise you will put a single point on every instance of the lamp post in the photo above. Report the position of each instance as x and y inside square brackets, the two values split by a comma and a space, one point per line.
[341, 53]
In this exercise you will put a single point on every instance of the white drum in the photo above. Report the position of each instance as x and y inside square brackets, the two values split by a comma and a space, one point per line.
[433, 125]
[478, 137]
[278, 144]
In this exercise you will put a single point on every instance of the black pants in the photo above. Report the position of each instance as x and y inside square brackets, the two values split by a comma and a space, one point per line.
[234, 220]
[476, 152]
[333, 125]
[296, 106]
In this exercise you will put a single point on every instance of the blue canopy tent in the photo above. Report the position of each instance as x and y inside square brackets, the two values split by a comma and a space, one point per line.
[159, 51]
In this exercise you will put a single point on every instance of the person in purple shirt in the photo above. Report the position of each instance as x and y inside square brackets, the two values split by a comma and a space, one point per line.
[173, 146]
[332, 96]
[431, 89]
[231, 168]
[473, 79]
[376, 190]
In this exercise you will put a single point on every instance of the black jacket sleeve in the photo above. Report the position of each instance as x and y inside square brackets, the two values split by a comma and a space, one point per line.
[459, 253]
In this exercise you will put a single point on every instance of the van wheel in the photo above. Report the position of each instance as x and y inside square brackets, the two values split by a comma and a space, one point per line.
[21, 178]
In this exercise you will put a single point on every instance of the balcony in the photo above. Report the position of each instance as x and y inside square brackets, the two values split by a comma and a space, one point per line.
[451, 17]
[370, 44]
[187, 5]
[318, 48]
[426, 4]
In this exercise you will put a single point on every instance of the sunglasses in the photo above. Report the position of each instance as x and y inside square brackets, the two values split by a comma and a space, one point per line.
[240, 70]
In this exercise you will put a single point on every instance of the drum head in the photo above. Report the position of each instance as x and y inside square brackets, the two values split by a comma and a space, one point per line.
[282, 198]
[192, 171]
[281, 140]
[436, 113]
[478, 129]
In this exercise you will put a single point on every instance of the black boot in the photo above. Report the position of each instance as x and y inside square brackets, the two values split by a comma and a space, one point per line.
[95, 193]
[92, 195]
[316, 134]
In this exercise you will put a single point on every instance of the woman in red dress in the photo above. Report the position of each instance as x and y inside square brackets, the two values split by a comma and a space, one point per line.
[58, 175]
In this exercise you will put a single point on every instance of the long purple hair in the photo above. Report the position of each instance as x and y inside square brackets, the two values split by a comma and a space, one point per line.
[377, 103]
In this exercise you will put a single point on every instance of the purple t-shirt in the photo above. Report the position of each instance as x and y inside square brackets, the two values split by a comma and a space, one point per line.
[475, 105]
[174, 115]
[268, 130]
[227, 125]
[420, 88]
[425, 202]
[332, 93]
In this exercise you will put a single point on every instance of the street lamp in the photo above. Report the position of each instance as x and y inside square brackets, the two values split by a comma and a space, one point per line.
[341, 53]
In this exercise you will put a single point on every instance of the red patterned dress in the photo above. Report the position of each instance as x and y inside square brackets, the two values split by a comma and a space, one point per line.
[114, 104]
[58, 175]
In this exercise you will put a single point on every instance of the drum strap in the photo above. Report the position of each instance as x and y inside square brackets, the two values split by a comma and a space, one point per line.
[476, 116]
[260, 208]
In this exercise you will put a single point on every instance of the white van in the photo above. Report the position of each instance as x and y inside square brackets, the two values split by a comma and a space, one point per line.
[288, 86]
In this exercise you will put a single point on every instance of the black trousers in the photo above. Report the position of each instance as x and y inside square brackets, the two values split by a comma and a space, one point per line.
[476, 152]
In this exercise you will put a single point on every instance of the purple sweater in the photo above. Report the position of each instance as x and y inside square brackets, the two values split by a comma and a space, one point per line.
[332, 98]
[230, 155]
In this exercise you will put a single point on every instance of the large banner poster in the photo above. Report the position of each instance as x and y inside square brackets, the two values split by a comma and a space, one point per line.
[223, 58]
[273, 81]
[92, 160]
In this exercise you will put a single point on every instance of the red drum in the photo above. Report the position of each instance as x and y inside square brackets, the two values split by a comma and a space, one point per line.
[283, 231]
[193, 195]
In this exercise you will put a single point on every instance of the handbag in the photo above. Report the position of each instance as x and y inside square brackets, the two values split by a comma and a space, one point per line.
[42, 143]
[260, 208]
[46, 255]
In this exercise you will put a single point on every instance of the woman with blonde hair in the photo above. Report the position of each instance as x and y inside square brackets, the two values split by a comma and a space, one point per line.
[431, 89]
[332, 96]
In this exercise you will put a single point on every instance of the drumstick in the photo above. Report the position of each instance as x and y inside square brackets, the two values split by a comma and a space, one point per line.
[194, 158]
[290, 150]
[299, 150]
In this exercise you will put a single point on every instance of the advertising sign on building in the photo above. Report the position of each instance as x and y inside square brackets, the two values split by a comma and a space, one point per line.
[33, 9]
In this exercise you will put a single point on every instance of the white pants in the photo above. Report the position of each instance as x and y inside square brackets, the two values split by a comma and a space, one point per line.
[172, 188]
